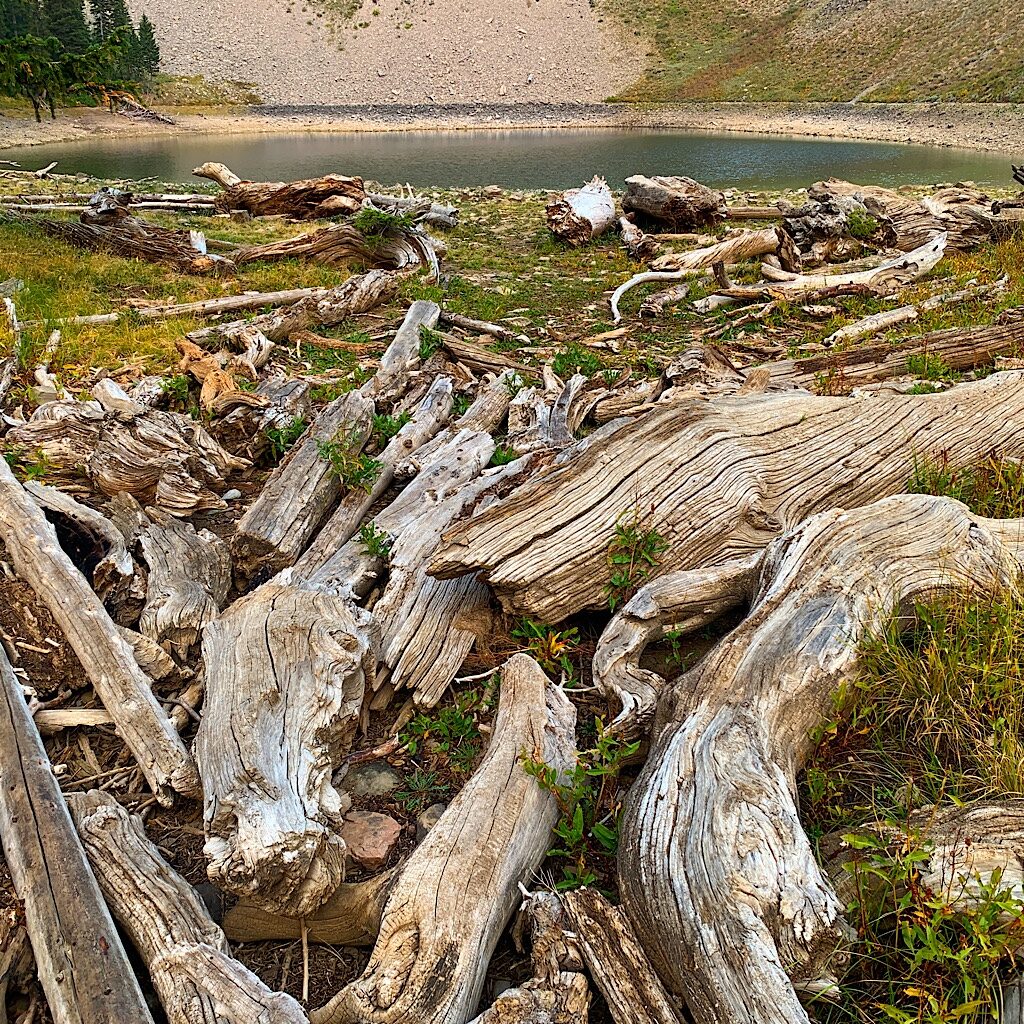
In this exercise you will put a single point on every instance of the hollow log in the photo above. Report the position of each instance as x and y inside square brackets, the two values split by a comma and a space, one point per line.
[341, 244]
[616, 960]
[108, 661]
[640, 246]
[359, 294]
[308, 199]
[160, 912]
[81, 963]
[189, 580]
[718, 481]
[459, 888]
[580, 215]
[301, 491]
[351, 917]
[680, 204]
[717, 875]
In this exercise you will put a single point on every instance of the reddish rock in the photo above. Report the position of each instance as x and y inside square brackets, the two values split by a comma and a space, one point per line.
[370, 838]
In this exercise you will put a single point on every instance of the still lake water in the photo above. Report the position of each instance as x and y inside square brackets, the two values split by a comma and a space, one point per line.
[527, 159]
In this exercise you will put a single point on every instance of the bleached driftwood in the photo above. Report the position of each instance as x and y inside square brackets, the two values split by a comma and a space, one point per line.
[162, 915]
[107, 660]
[718, 481]
[328, 196]
[718, 877]
[83, 968]
[639, 246]
[460, 887]
[582, 214]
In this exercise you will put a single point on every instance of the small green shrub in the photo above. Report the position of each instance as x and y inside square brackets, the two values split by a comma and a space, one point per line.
[430, 342]
[861, 224]
[551, 648]
[632, 554]
[576, 358]
[371, 221]
[929, 367]
[176, 389]
[385, 427]
[502, 456]
[282, 438]
[376, 542]
[352, 466]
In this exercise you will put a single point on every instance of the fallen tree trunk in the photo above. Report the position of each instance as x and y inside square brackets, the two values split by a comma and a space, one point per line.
[717, 875]
[640, 246]
[680, 204]
[308, 199]
[166, 920]
[460, 887]
[323, 308]
[81, 963]
[718, 481]
[106, 658]
[580, 215]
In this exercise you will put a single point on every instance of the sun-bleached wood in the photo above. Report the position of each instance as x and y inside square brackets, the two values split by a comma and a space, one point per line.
[108, 661]
[718, 480]
[160, 912]
[80, 961]
[682, 601]
[717, 875]
[459, 888]
[580, 215]
[678, 203]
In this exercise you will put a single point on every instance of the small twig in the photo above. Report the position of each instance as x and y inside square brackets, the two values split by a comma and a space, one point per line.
[305, 961]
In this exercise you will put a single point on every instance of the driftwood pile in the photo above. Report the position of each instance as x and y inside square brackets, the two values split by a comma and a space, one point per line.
[335, 595]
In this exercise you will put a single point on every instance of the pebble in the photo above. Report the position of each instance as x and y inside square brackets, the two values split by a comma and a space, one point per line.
[370, 837]
[232, 495]
[371, 780]
[427, 819]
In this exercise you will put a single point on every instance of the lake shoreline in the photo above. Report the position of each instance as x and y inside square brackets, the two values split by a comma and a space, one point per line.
[977, 126]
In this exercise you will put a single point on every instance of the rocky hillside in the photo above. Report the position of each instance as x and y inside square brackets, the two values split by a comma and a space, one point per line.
[399, 51]
[828, 49]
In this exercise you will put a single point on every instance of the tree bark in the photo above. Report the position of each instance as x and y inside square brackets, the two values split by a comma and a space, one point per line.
[718, 481]
[107, 660]
[460, 887]
[580, 215]
[81, 963]
[680, 204]
[717, 875]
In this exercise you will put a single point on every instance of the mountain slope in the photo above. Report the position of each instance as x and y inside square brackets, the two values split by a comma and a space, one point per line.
[397, 51]
[828, 49]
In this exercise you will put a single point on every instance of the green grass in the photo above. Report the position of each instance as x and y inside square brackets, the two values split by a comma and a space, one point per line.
[992, 487]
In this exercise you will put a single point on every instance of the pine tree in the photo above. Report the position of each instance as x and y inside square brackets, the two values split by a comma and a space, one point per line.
[65, 19]
[102, 19]
[149, 49]
[19, 18]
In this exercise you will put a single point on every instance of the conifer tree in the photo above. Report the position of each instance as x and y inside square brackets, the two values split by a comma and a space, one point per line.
[19, 18]
[149, 49]
[65, 20]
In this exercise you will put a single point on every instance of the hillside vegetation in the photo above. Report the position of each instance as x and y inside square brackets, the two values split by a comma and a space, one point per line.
[892, 50]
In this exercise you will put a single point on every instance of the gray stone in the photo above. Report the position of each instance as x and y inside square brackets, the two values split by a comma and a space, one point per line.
[371, 780]
[427, 819]
[232, 495]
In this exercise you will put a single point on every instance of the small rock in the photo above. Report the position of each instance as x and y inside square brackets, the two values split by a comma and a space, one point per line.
[370, 838]
[369, 780]
[232, 495]
[427, 819]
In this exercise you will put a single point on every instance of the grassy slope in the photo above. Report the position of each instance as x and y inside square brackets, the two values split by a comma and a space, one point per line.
[828, 50]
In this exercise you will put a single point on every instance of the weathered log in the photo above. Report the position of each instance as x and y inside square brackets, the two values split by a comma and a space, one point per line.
[160, 912]
[681, 204]
[678, 601]
[460, 887]
[402, 356]
[467, 323]
[424, 211]
[640, 246]
[718, 480]
[189, 579]
[1018, 174]
[107, 660]
[616, 960]
[580, 215]
[558, 992]
[717, 875]
[246, 430]
[81, 963]
[955, 349]
[482, 359]
[341, 244]
[359, 294]
[351, 917]
[328, 196]
[162, 458]
[301, 491]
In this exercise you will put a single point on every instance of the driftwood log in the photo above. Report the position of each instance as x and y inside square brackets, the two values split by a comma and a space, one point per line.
[166, 921]
[639, 246]
[458, 890]
[743, 469]
[718, 877]
[582, 214]
[676, 203]
[328, 196]
[108, 661]
[83, 968]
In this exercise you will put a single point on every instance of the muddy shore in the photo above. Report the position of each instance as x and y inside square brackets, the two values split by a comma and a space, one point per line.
[954, 125]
